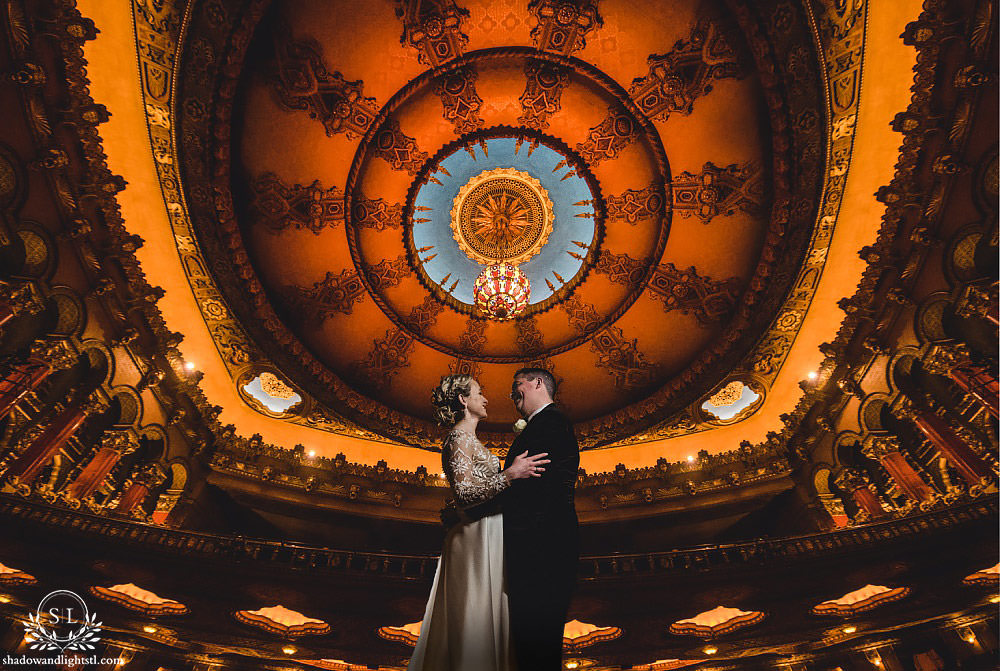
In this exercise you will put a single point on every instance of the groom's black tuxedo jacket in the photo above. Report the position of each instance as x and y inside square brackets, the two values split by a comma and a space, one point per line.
[540, 539]
[541, 510]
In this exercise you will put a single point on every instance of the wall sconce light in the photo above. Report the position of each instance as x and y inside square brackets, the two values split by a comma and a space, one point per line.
[849, 629]
[289, 649]
[967, 635]
[710, 650]
[874, 658]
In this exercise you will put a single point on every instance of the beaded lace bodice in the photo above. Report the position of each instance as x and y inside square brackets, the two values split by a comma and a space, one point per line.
[472, 470]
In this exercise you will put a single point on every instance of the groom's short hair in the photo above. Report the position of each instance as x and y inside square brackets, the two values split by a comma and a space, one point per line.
[541, 374]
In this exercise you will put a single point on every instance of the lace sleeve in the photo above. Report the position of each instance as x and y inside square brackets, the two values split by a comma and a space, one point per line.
[473, 476]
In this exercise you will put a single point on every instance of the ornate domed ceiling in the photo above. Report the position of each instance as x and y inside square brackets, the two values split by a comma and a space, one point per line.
[652, 170]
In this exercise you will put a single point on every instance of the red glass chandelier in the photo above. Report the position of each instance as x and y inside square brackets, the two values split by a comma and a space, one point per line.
[502, 291]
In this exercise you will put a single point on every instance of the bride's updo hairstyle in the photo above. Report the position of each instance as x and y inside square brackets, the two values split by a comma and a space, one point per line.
[447, 406]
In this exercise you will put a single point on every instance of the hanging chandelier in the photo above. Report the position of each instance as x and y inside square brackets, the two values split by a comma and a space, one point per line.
[502, 291]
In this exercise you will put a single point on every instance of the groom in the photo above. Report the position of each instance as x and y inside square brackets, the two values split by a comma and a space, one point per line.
[540, 526]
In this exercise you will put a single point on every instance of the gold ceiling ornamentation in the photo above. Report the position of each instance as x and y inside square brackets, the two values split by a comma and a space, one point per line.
[140, 600]
[14, 576]
[728, 395]
[333, 664]
[667, 664]
[719, 620]
[284, 621]
[866, 598]
[502, 215]
[986, 576]
[578, 634]
[408, 633]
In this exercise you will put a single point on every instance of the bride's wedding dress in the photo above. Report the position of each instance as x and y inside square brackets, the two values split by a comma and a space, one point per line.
[465, 626]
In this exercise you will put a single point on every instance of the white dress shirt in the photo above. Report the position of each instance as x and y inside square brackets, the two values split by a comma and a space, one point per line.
[539, 410]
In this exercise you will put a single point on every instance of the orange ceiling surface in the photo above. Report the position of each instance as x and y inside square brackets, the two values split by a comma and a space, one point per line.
[628, 357]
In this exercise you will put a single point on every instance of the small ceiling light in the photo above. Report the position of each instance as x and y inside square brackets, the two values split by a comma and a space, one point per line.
[995, 598]
[4, 598]
[572, 665]
[312, 453]
[850, 629]
[289, 649]
[690, 458]
[149, 629]
[813, 375]
[710, 650]
[188, 365]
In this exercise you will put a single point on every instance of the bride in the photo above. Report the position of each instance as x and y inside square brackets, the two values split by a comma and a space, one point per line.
[465, 623]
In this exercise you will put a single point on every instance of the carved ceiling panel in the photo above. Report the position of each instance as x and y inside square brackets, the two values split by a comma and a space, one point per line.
[320, 181]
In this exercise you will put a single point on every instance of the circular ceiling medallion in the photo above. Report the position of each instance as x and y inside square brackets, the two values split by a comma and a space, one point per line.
[502, 197]
[501, 215]
[350, 272]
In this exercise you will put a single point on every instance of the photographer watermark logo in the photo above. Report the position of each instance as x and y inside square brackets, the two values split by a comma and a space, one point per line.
[62, 622]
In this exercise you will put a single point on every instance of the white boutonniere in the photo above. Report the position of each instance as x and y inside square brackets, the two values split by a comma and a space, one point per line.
[519, 426]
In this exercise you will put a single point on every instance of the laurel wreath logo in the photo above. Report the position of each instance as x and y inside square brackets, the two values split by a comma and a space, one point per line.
[83, 639]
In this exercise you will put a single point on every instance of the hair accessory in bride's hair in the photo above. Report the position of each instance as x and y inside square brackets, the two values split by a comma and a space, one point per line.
[448, 408]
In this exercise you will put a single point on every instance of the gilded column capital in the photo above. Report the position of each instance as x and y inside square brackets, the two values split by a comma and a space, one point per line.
[122, 442]
[905, 409]
[57, 353]
[150, 475]
[850, 479]
[22, 299]
[943, 359]
[876, 447]
[94, 405]
[977, 301]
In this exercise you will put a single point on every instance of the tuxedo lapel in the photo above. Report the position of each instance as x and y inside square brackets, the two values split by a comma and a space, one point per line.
[523, 439]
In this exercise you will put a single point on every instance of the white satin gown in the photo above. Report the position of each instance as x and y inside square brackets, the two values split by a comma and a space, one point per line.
[465, 625]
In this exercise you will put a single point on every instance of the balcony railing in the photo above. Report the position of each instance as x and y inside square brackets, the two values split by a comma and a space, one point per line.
[416, 567]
